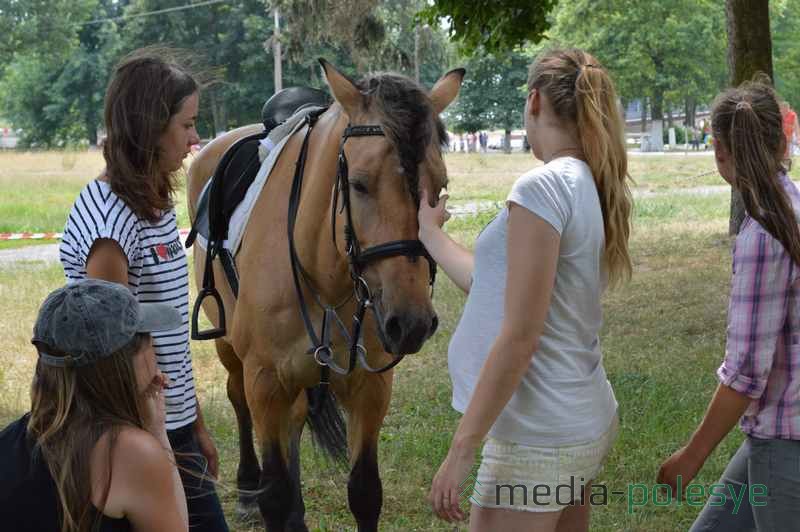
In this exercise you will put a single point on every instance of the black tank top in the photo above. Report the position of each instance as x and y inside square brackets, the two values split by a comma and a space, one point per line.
[28, 495]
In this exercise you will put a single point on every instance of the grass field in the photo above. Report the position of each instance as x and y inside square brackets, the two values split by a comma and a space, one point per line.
[39, 187]
[662, 340]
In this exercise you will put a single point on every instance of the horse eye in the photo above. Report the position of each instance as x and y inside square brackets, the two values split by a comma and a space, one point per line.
[359, 187]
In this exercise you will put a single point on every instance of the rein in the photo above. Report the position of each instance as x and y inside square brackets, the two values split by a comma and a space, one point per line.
[359, 260]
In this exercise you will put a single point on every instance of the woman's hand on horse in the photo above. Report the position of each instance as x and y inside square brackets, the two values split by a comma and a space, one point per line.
[432, 217]
[446, 489]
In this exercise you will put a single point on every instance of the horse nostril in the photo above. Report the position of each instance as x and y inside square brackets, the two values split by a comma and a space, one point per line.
[394, 330]
[434, 325]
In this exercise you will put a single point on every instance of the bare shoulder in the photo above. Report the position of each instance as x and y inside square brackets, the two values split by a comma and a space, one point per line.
[136, 459]
[146, 488]
[138, 448]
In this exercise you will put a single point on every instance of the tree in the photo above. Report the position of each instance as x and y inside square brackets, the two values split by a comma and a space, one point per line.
[58, 99]
[351, 23]
[665, 51]
[492, 95]
[785, 22]
[749, 52]
[494, 27]
[43, 26]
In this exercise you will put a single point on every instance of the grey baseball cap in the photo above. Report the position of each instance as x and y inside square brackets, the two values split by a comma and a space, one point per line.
[92, 319]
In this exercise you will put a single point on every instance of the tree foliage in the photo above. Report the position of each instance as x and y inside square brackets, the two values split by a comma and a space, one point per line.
[492, 94]
[494, 27]
[785, 17]
[669, 50]
[56, 98]
[42, 26]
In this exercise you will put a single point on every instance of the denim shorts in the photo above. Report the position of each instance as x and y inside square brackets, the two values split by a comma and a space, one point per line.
[539, 479]
[758, 462]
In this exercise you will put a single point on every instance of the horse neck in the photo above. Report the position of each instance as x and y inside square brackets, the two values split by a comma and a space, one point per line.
[326, 267]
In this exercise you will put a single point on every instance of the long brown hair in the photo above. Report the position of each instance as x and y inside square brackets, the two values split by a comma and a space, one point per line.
[71, 408]
[747, 121]
[145, 91]
[582, 92]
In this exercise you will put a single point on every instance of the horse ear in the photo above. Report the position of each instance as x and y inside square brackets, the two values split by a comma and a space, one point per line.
[446, 89]
[343, 89]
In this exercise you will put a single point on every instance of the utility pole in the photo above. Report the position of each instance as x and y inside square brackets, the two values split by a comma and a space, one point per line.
[276, 51]
[416, 53]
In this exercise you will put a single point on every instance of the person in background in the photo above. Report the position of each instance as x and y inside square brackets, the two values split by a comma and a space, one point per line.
[123, 228]
[790, 129]
[93, 453]
[759, 378]
[525, 360]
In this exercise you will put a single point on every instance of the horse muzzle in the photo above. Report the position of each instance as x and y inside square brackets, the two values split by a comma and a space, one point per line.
[406, 332]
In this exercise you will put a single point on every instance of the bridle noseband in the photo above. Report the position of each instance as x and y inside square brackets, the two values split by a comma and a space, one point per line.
[359, 260]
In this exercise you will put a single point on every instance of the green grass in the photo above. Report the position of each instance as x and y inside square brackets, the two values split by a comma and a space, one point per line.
[662, 341]
[39, 188]
[14, 244]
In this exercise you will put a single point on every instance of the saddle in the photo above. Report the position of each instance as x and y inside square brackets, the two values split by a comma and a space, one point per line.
[233, 176]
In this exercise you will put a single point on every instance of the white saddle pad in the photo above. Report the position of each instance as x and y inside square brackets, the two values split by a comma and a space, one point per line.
[269, 151]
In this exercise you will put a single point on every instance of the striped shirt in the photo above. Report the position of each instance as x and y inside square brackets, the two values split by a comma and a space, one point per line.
[157, 273]
[762, 356]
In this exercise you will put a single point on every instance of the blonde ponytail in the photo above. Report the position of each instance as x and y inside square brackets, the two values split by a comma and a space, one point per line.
[582, 92]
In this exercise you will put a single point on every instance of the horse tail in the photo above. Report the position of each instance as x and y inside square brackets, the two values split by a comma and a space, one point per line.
[327, 425]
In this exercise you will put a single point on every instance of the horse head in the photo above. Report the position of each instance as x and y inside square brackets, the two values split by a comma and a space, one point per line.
[385, 172]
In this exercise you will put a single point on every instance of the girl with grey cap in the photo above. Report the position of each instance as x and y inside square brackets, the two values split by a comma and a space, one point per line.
[93, 453]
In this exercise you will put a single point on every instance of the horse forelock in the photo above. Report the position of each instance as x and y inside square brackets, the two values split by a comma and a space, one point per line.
[409, 122]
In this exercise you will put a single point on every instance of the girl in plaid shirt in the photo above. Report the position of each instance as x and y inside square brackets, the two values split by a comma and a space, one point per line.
[760, 374]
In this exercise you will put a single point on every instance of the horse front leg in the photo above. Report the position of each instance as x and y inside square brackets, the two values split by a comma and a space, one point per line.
[249, 472]
[296, 520]
[271, 406]
[367, 405]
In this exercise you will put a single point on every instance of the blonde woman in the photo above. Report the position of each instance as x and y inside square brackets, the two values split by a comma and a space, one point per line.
[525, 360]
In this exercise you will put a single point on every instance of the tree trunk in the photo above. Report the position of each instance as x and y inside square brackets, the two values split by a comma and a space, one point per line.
[686, 112]
[276, 52]
[91, 127]
[669, 117]
[657, 116]
[507, 141]
[644, 114]
[218, 113]
[749, 52]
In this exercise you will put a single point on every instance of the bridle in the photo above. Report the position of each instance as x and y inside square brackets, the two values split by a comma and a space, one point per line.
[359, 260]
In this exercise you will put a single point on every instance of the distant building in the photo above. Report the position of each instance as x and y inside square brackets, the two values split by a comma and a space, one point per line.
[8, 138]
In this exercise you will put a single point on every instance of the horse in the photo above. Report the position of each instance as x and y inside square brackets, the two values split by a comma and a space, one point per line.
[362, 163]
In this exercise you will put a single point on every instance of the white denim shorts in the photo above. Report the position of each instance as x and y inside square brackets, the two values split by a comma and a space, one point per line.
[538, 479]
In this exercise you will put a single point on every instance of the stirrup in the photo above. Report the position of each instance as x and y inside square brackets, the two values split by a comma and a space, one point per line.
[212, 333]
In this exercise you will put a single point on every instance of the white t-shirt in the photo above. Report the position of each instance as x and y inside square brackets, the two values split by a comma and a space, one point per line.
[157, 273]
[564, 397]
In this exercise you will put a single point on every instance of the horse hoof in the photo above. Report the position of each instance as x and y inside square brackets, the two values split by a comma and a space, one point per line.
[248, 512]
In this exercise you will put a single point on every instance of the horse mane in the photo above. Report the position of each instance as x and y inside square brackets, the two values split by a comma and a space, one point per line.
[408, 119]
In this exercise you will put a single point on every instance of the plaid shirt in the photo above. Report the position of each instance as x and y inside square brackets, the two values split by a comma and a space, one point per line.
[762, 356]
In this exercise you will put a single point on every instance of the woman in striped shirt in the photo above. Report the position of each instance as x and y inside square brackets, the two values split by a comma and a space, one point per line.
[122, 228]
[760, 374]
